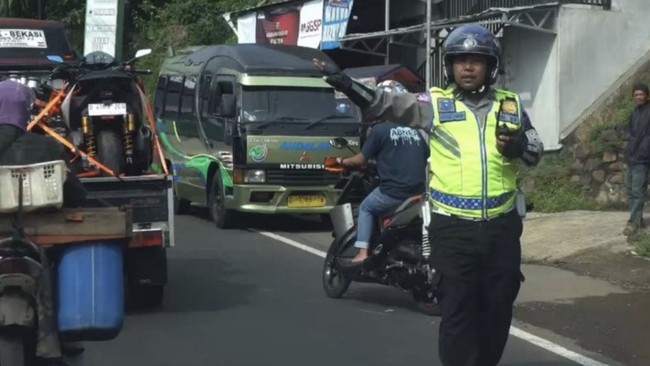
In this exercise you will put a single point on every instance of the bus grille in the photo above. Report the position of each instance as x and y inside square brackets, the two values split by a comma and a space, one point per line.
[301, 177]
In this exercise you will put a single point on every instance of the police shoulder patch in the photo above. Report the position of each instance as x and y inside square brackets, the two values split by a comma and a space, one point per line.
[509, 110]
[446, 105]
[424, 97]
[509, 106]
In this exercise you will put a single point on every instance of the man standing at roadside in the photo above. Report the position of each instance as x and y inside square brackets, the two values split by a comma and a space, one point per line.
[637, 158]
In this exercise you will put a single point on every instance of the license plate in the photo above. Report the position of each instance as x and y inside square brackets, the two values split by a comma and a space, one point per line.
[113, 109]
[306, 201]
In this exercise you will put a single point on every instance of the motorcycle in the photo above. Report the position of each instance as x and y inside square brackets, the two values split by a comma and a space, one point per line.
[399, 247]
[24, 283]
[104, 111]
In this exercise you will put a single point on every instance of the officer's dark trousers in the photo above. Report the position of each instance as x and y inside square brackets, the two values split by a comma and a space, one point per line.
[479, 263]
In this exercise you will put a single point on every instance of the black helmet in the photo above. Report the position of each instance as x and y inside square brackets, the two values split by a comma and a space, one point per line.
[471, 39]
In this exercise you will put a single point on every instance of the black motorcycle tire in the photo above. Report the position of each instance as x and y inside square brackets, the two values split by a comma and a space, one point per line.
[334, 284]
[222, 217]
[12, 350]
[110, 151]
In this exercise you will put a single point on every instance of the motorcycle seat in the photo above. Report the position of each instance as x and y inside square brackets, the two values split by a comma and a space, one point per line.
[409, 202]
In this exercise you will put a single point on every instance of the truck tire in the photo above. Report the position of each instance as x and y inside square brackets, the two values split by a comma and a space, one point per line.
[146, 296]
[224, 218]
[110, 151]
[181, 205]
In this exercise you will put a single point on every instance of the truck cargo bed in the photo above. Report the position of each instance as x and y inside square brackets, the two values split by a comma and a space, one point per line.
[71, 225]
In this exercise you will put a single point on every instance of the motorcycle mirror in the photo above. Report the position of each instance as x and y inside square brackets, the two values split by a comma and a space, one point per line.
[142, 52]
[339, 142]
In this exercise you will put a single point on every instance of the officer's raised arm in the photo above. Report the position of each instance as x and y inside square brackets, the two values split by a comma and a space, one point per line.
[413, 110]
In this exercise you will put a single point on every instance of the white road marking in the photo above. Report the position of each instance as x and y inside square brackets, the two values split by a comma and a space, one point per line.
[554, 348]
[293, 243]
[516, 332]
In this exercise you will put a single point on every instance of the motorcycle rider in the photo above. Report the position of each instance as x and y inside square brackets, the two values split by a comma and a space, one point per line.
[19, 147]
[477, 134]
[401, 155]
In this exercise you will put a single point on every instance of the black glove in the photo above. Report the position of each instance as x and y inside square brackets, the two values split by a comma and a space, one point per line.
[358, 93]
[515, 146]
[334, 76]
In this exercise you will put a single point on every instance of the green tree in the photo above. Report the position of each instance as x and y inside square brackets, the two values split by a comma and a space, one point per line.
[181, 23]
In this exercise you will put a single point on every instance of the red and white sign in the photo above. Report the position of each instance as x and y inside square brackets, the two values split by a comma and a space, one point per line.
[291, 24]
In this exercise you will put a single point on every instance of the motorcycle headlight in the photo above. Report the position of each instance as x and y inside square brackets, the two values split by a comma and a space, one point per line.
[255, 176]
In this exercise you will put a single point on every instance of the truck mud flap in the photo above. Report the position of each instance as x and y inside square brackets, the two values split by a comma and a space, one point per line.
[146, 266]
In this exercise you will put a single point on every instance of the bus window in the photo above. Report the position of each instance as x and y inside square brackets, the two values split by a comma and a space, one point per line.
[173, 96]
[205, 95]
[187, 98]
[159, 98]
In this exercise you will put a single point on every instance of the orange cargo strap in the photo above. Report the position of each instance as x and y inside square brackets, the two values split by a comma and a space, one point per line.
[152, 124]
[74, 150]
[50, 105]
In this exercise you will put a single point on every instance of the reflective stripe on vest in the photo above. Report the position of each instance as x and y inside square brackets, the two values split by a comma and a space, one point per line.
[470, 177]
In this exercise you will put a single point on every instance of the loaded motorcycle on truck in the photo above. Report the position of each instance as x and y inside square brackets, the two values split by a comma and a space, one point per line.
[246, 128]
[96, 107]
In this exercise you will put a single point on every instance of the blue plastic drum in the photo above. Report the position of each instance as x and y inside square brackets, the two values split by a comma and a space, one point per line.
[91, 292]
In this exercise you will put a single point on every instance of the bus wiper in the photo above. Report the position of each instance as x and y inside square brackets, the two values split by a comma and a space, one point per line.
[279, 119]
[321, 120]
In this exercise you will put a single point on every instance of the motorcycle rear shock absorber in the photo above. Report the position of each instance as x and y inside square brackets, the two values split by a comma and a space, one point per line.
[89, 137]
[426, 219]
[128, 128]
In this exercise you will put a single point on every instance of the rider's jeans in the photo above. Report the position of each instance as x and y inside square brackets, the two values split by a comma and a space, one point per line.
[374, 205]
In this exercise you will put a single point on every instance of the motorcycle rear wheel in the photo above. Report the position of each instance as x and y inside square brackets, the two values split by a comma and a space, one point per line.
[110, 151]
[334, 283]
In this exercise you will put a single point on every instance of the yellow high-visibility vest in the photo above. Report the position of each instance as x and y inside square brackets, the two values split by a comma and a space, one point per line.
[470, 177]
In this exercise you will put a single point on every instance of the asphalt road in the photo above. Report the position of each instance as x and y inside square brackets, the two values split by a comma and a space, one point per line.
[238, 297]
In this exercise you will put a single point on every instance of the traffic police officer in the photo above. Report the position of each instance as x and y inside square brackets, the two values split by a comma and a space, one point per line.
[477, 135]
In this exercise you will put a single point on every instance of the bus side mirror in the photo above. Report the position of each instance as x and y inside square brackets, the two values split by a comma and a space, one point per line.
[228, 105]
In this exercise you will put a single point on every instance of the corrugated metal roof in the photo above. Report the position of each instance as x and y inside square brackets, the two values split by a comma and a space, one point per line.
[490, 14]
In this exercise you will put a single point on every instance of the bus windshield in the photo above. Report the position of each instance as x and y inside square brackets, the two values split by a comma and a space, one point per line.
[300, 104]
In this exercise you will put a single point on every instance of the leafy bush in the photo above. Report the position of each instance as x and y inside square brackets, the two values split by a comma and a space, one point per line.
[641, 242]
[552, 190]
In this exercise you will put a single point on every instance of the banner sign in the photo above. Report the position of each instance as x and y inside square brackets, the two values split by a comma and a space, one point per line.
[278, 25]
[307, 24]
[335, 22]
[22, 38]
[311, 24]
[101, 26]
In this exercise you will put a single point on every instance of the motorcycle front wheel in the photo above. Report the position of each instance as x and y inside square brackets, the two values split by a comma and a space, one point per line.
[110, 151]
[334, 282]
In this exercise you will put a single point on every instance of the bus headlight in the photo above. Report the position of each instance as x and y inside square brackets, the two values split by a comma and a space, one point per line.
[255, 176]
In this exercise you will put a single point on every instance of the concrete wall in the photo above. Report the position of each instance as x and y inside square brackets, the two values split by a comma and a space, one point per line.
[561, 77]
[531, 64]
[596, 49]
